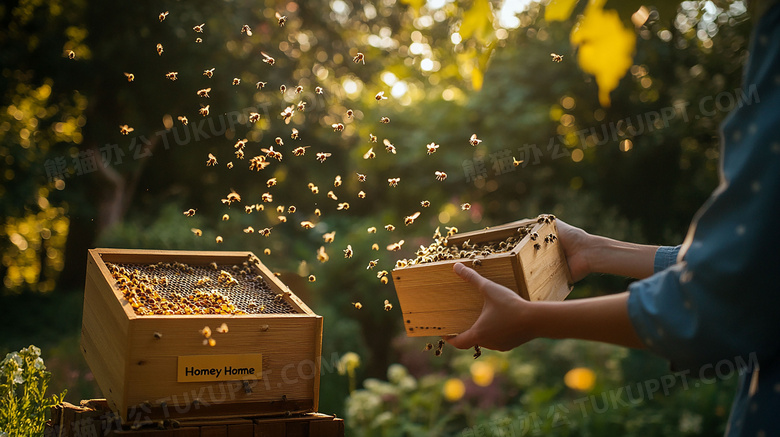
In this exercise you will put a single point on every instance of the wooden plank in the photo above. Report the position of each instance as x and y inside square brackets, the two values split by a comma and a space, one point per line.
[297, 429]
[178, 432]
[214, 431]
[241, 430]
[317, 340]
[494, 233]
[270, 429]
[546, 273]
[326, 428]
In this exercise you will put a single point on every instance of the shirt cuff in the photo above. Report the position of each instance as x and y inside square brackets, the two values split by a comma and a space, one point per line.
[665, 256]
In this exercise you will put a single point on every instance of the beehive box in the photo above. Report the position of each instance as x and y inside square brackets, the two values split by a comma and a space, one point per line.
[436, 301]
[152, 367]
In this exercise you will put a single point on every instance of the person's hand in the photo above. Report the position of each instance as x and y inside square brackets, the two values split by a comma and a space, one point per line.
[576, 243]
[502, 325]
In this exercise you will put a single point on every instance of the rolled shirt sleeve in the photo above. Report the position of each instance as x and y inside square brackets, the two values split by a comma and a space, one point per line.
[665, 256]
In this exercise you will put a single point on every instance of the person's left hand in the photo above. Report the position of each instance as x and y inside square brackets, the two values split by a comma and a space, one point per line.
[503, 323]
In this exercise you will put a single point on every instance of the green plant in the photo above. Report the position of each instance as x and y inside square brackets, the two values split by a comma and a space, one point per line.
[23, 401]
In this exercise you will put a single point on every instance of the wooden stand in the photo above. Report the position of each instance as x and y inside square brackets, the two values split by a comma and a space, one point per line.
[94, 418]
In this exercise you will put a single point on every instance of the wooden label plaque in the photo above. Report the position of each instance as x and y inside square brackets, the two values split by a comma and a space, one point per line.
[233, 367]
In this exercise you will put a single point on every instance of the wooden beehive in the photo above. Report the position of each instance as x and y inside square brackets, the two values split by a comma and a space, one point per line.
[436, 301]
[145, 364]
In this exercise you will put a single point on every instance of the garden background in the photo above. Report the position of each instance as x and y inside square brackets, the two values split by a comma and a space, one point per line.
[635, 166]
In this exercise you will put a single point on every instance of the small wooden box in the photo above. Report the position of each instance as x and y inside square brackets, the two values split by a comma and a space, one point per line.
[144, 363]
[436, 301]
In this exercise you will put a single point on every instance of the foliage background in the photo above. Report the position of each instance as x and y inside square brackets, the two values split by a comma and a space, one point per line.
[451, 69]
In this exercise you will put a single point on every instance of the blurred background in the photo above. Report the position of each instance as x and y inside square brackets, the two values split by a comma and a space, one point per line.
[635, 169]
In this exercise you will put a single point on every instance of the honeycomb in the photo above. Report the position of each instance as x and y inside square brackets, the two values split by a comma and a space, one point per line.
[181, 289]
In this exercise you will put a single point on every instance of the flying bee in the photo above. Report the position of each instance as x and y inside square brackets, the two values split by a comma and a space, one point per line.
[556, 58]
[190, 212]
[374, 246]
[246, 29]
[312, 278]
[300, 151]
[267, 197]
[361, 194]
[291, 209]
[389, 147]
[198, 40]
[348, 251]
[337, 181]
[380, 96]
[233, 197]
[261, 85]
[267, 59]
[282, 219]
[517, 162]
[236, 81]
[329, 236]
[372, 230]
[317, 212]
[283, 88]
[281, 19]
[199, 29]
[163, 16]
[240, 144]
[280, 209]
[465, 206]
[204, 110]
[372, 138]
[350, 113]
[388, 305]
[209, 73]
[279, 141]
[130, 77]
[318, 90]
[337, 127]
[384, 120]
[408, 220]
[432, 148]
[389, 228]
[361, 177]
[307, 224]
[204, 92]
[270, 182]
[72, 55]
[265, 232]
[395, 246]
[219, 239]
[212, 160]
[372, 264]
[301, 106]
[288, 113]
[258, 163]
[125, 129]
[249, 230]
[225, 217]
[294, 134]
[197, 232]
[322, 256]
[343, 206]
[299, 89]
[249, 208]
[254, 117]
[183, 120]
[223, 328]
[271, 153]
[474, 140]
[159, 51]
[322, 156]
[370, 154]
[332, 195]
[425, 203]
[393, 182]
[357, 305]
[440, 176]
[314, 189]
[477, 351]
[259, 207]
[451, 230]
[428, 347]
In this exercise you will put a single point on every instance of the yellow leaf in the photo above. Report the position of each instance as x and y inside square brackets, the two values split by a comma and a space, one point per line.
[477, 21]
[476, 79]
[415, 4]
[606, 47]
[559, 10]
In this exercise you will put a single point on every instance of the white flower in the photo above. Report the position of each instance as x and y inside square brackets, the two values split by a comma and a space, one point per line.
[16, 376]
[3, 434]
[382, 419]
[38, 364]
[396, 372]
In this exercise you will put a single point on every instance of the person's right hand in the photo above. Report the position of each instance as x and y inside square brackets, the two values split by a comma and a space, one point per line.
[576, 244]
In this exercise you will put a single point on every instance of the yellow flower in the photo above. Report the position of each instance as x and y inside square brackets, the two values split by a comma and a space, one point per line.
[348, 363]
[482, 373]
[453, 389]
[580, 378]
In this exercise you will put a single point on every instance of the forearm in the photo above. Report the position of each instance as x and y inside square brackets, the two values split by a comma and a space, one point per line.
[603, 319]
[620, 258]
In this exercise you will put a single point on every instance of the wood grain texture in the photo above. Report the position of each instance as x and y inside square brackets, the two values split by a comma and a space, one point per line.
[138, 372]
[435, 301]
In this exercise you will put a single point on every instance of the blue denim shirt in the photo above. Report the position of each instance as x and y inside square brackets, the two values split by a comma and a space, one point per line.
[713, 304]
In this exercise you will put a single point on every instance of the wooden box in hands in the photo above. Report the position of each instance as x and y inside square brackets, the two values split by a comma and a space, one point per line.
[170, 366]
[436, 301]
